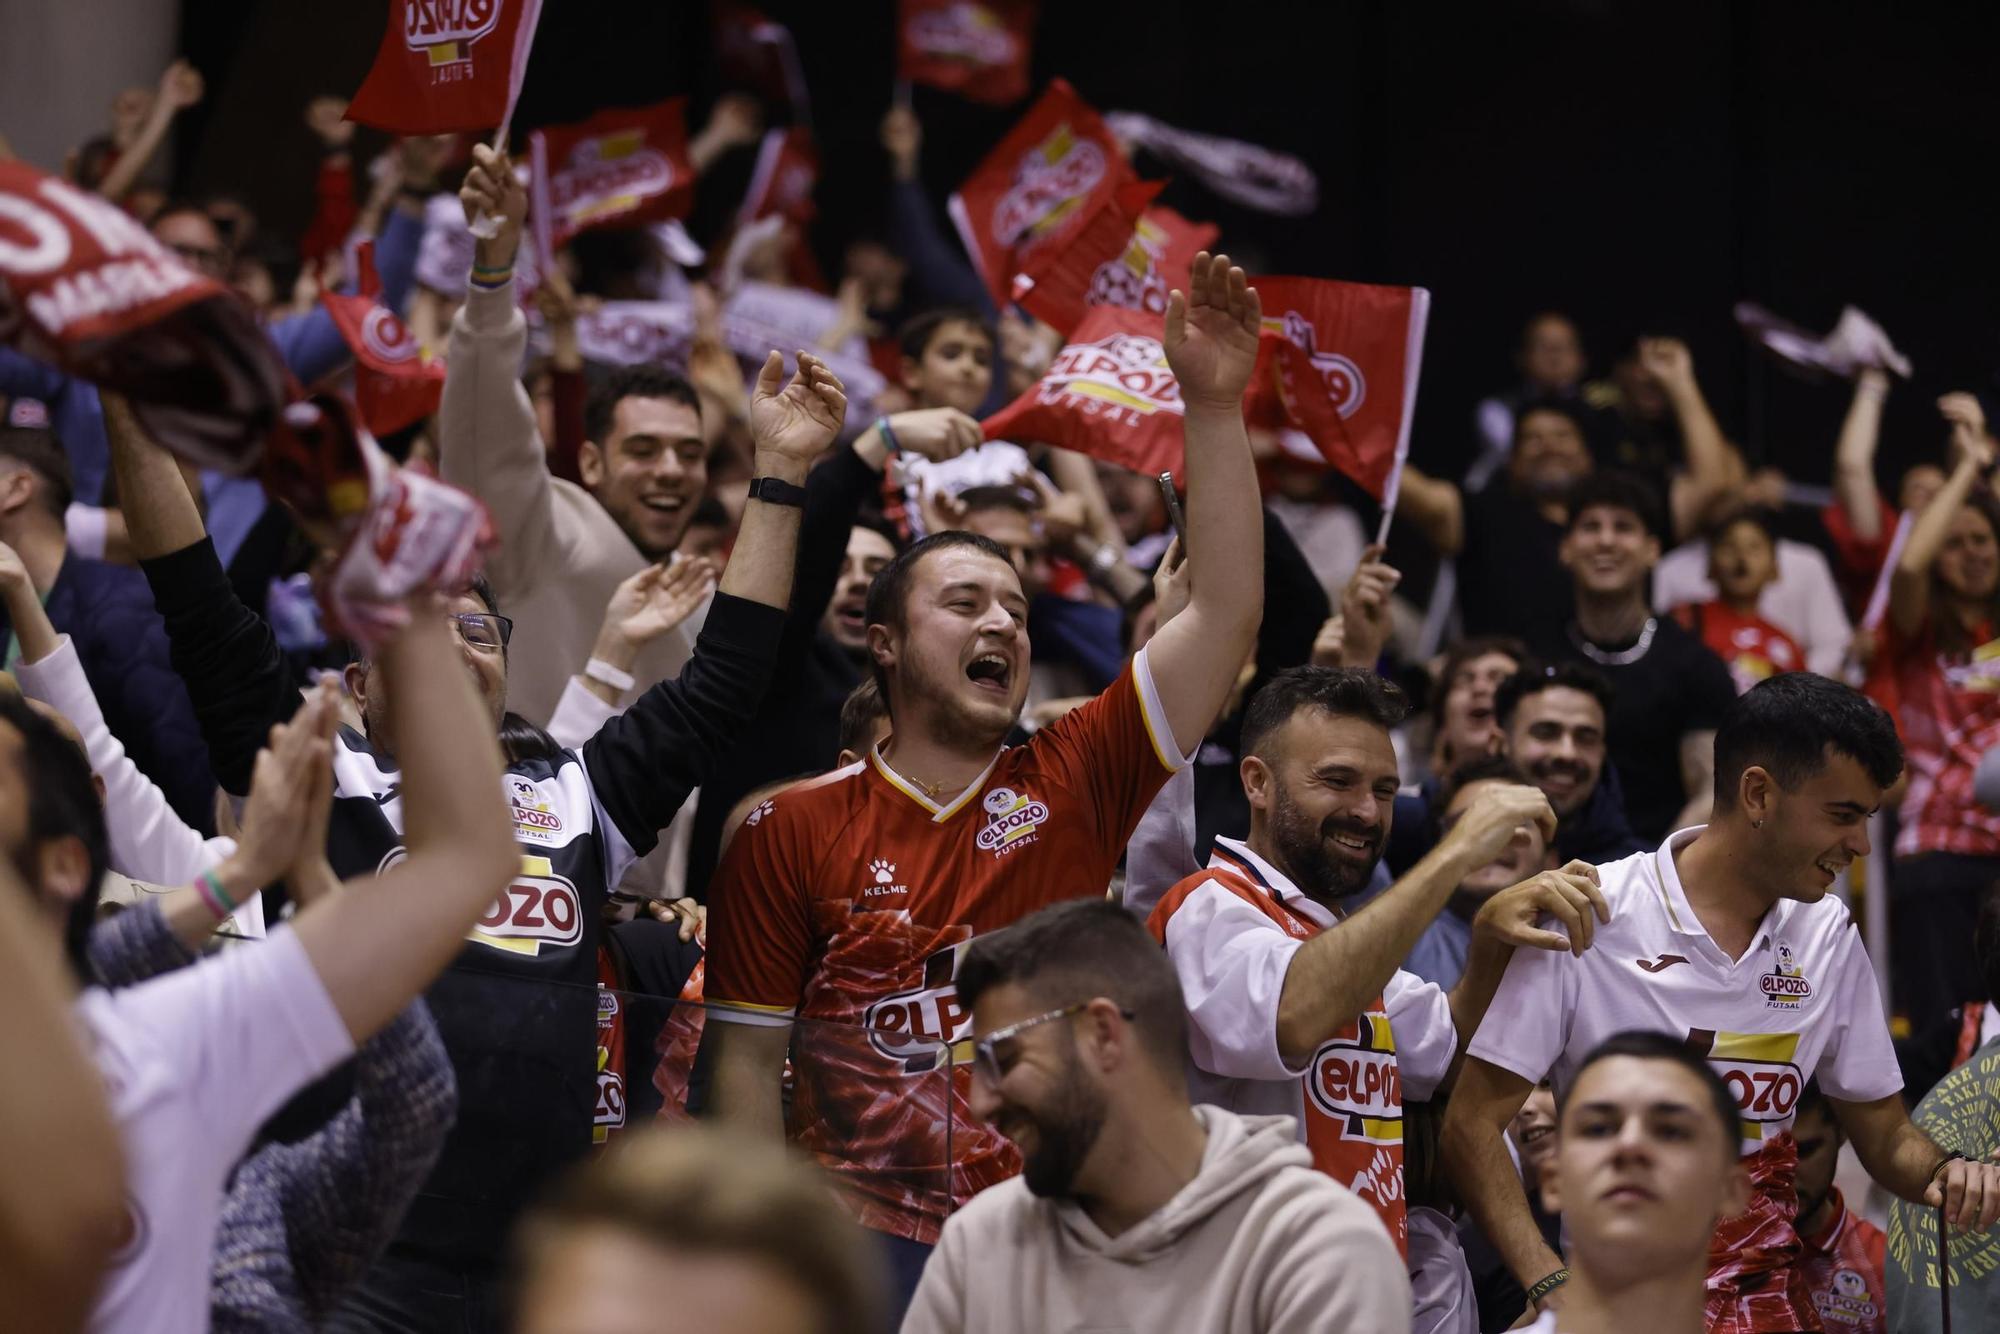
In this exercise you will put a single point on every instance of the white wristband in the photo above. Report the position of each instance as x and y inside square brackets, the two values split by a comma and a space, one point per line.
[602, 672]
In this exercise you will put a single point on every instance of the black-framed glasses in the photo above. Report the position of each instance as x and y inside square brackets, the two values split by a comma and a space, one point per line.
[986, 1053]
[486, 631]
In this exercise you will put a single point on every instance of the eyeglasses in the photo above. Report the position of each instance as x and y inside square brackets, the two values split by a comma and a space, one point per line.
[484, 630]
[986, 1053]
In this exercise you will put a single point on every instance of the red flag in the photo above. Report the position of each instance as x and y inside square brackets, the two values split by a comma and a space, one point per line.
[1037, 188]
[787, 171]
[621, 167]
[1339, 361]
[1108, 393]
[1126, 255]
[84, 287]
[447, 65]
[977, 50]
[755, 53]
[393, 386]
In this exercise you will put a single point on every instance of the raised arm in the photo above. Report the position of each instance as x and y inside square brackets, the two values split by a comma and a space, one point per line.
[1211, 344]
[1713, 463]
[1854, 458]
[62, 1200]
[1436, 507]
[383, 939]
[1910, 583]
[180, 88]
[1473, 1148]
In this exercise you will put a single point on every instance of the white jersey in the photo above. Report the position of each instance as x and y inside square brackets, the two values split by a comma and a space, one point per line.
[1800, 1004]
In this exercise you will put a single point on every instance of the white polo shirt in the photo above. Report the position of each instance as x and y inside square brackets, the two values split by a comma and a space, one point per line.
[1800, 1004]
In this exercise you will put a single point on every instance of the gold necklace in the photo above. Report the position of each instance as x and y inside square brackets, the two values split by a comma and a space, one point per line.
[930, 790]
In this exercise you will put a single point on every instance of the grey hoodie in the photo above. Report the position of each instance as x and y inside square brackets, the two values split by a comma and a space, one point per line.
[1257, 1243]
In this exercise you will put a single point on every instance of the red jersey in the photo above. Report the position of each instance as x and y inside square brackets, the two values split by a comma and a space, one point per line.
[1949, 717]
[848, 904]
[1751, 647]
[1843, 1269]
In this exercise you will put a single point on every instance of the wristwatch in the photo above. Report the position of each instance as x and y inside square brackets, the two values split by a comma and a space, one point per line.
[777, 491]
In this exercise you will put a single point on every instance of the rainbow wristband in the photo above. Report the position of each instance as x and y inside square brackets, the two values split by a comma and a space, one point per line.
[209, 886]
[489, 277]
[888, 435]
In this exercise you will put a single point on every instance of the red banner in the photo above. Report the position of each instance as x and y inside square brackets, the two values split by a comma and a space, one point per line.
[1034, 191]
[1108, 393]
[393, 385]
[787, 171]
[447, 65]
[1127, 254]
[1339, 362]
[84, 287]
[621, 167]
[978, 50]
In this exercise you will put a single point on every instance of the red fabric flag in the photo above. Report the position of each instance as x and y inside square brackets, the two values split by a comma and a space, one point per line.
[393, 385]
[1127, 254]
[447, 65]
[83, 286]
[1108, 393]
[621, 167]
[1339, 361]
[1041, 184]
[787, 171]
[978, 50]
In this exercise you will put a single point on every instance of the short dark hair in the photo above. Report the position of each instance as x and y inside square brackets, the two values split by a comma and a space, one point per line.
[1812, 1098]
[914, 337]
[62, 803]
[890, 590]
[37, 449]
[1755, 515]
[482, 588]
[1470, 650]
[1535, 677]
[1484, 769]
[601, 408]
[859, 712]
[1344, 692]
[1986, 945]
[1560, 407]
[1613, 488]
[978, 499]
[1652, 1046]
[1786, 724]
[1074, 952]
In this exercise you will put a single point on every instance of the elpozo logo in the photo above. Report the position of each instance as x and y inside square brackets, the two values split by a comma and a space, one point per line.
[607, 176]
[969, 32]
[1122, 372]
[444, 30]
[535, 821]
[1012, 819]
[1786, 988]
[1050, 182]
[1354, 1079]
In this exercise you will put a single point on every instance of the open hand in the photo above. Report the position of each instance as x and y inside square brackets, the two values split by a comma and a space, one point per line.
[311, 876]
[283, 785]
[1211, 337]
[1570, 895]
[654, 601]
[181, 86]
[491, 189]
[796, 423]
[1967, 420]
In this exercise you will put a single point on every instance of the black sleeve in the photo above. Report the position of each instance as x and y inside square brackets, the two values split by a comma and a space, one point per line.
[1295, 603]
[835, 492]
[228, 657]
[1710, 689]
[644, 762]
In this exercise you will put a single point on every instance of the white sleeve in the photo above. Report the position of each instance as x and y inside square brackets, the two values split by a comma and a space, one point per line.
[1682, 577]
[1858, 1063]
[1160, 853]
[1528, 1024]
[245, 1029]
[1426, 1038]
[579, 713]
[1231, 960]
[148, 841]
[84, 530]
[1826, 631]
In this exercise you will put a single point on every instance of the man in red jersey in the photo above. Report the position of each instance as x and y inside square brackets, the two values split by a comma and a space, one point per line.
[850, 902]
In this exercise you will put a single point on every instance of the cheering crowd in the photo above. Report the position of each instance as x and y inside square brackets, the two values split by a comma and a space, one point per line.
[689, 796]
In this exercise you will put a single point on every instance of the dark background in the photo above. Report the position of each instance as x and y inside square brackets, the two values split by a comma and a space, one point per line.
[1641, 167]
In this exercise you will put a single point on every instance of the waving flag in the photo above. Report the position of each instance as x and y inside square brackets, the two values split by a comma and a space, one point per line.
[85, 287]
[755, 53]
[393, 385]
[1128, 254]
[1034, 191]
[782, 183]
[1339, 362]
[447, 65]
[1108, 393]
[621, 167]
[1251, 174]
[977, 49]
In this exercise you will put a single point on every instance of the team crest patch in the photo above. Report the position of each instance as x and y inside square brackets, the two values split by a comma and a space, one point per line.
[1011, 821]
[535, 821]
[1786, 988]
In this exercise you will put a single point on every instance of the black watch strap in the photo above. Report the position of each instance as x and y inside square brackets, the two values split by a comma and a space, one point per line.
[776, 491]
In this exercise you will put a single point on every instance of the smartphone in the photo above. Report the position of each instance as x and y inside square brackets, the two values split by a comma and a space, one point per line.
[1174, 509]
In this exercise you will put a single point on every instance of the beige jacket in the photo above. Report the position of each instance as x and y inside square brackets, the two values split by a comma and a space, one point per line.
[1257, 1243]
[560, 555]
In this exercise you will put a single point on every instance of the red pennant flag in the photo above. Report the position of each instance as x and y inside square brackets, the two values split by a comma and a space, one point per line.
[977, 50]
[1339, 361]
[447, 65]
[83, 286]
[1034, 191]
[1108, 393]
[1126, 255]
[393, 385]
[621, 167]
[787, 171]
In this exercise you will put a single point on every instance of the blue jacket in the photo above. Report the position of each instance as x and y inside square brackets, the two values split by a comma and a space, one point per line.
[108, 613]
